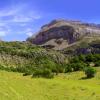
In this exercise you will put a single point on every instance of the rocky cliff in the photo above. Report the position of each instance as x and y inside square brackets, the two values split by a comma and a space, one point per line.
[59, 34]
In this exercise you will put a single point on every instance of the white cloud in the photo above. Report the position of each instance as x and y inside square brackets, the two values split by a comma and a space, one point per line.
[27, 31]
[7, 12]
[12, 10]
[2, 33]
[22, 18]
[18, 13]
[29, 34]
[4, 29]
[14, 20]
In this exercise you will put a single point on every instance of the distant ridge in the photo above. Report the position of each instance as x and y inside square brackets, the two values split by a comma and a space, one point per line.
[60, 33]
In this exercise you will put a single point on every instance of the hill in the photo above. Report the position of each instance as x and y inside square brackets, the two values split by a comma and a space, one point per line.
[60, 34]
[62, 51]
[87, 45]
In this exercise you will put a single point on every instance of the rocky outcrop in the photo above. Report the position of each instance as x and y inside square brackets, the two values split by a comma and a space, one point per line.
[61, 33]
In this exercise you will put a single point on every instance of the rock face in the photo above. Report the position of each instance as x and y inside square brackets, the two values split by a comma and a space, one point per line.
[59, 34]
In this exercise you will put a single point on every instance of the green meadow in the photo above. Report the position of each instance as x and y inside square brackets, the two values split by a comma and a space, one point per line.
[70, 86]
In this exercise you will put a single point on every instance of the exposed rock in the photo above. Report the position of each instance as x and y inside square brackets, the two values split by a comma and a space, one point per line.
[62, 33]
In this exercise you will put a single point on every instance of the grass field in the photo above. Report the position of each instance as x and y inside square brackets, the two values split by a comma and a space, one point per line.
[13, 86]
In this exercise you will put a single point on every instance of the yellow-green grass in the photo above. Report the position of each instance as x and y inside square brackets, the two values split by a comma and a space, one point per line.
[14, 86]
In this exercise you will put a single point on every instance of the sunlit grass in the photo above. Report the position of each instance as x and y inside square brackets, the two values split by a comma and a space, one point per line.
[13, 86]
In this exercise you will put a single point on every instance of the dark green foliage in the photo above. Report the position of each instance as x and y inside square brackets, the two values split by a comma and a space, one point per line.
[86, 59]
[77, 66]
[82, 58]
[46, 73]
[2, 67]
[97, 63]
[33, 60]
[90, 72]
[74, 67]
[26, 58]
[90, 58]
[75, 59]
[68, 68]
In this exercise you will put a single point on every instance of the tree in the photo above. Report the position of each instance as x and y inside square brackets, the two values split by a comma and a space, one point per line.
[68, 68]
[90, 72]
[75, 60]
[82, 58]
[97, 63]
[90, 58]
[78, 66]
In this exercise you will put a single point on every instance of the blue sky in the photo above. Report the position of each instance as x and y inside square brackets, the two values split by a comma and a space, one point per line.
[20, 19]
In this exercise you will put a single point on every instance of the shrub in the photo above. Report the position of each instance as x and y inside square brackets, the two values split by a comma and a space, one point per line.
[47, 73]
[37, 73]
[75, 59]
[97, 64]
[90, 58]
[68, 68]
[43, 73]
[90, 72]
[55, 70]
[77, 66]
[82, 58]
[60, 69]
[74, 67]
[2, 67]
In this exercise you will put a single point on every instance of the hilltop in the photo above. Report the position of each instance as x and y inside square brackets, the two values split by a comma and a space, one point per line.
[60, 34]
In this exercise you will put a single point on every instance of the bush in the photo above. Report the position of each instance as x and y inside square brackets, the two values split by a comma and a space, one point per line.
[55, 70]
[90, 72]
[74, 67]
[47, 73]
[82, 58]
[2, 67]
[43, 73]
[97, 64]
[90, 58]
[75, 59]
[77, 66]
[68, 68]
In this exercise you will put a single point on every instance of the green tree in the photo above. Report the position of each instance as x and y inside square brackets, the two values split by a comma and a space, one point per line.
[90, 72]
[90, 58]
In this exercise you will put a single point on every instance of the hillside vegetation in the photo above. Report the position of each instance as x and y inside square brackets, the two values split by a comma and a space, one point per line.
[84, 46]
[27, 58]
[39, 62]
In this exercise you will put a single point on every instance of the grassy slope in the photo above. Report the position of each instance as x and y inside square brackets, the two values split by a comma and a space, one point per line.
[13, 86]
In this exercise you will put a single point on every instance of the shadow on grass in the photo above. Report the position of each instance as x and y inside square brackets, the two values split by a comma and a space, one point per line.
[85, 78]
